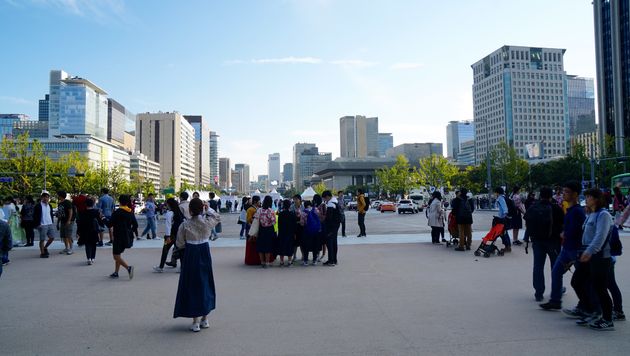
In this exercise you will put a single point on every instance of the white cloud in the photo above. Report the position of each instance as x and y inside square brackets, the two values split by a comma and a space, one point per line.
[356, 63]
[406, 65]
[287, 60]
[15, 100]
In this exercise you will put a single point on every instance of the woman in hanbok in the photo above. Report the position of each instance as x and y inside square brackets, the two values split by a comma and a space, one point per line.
[195, 292]
[12, 217]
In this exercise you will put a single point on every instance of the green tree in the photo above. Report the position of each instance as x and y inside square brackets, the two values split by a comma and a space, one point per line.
[436, 171]
[472, 178]
[319, 188]
[507, 167]
[24, 161]
[399, 178]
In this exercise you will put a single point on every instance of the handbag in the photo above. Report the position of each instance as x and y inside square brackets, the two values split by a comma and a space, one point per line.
[253, 230]
[218, 228]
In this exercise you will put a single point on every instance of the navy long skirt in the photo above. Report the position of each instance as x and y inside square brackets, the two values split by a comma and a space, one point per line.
[195, 293]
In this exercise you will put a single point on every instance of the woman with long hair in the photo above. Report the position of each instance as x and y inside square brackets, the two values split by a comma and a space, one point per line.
[196, 296]
[242, 218]
[88, 228]
[287, 223]
[124, 226]
[320, 209]
[26, 214]
[266, 232]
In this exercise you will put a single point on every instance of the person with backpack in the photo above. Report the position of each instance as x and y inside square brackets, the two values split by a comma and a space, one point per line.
[266, 232]
[362, 208]
[173, 219]
[310, 236]
[591, 274]
[332, 221]
[124, 227]
[571, 241]
[516, 209]
[463, 209]
[544, 225]
[88, 227]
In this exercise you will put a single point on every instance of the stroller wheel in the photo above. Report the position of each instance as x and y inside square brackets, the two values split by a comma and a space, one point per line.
[477, 253]
[486, 255]
[448, 244]
[501, 253]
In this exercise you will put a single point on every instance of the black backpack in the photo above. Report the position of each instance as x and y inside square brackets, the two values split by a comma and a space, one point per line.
[367, 202]
[465, 210]
[539, 219]
[613, 239]
[511, 207]
[337, 214]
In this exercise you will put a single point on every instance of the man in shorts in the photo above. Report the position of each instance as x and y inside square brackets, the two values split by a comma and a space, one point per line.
[65, 221]
[43, 220]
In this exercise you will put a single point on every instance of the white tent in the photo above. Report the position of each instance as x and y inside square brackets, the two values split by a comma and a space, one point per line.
[308, 194]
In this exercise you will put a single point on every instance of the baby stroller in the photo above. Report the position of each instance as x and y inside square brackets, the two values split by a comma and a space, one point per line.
[452, 230]
[487, 246]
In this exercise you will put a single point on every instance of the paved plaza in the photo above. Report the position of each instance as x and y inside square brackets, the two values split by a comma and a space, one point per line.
[391, 294]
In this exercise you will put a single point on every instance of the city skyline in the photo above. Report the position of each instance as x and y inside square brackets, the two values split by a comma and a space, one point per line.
[411, 83]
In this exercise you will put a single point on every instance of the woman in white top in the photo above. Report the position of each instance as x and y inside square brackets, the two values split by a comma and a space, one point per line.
[195, 292]
[435, 214]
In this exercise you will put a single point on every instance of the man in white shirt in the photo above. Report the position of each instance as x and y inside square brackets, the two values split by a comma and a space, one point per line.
[183, 204]
[43, 219]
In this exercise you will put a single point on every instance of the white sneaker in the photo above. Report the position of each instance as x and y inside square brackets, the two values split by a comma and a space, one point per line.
[64, 251]
[195, 327]
[157, 269]
[204, 324]
[69, 252]
[89, 262]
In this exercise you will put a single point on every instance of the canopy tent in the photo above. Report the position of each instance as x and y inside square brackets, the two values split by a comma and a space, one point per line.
[308, 194]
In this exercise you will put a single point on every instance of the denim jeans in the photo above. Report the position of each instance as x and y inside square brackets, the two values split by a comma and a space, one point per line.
[361, 224]
[565, 258]
[542, 249]
[150, 226]
[5, 256]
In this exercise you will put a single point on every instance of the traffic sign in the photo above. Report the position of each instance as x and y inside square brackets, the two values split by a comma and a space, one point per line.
[6, 179]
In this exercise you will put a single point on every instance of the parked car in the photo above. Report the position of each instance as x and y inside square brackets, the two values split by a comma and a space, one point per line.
[387, 206]
[351, 206]
[375, 204]
[406, 206]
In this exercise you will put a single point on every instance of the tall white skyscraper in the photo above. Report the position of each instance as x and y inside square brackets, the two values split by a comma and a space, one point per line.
[273, 168]
[56, 82]
[359, 136]
[202, 149]
[519, 96]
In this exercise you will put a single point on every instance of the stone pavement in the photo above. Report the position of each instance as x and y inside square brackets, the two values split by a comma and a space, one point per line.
[408, 298]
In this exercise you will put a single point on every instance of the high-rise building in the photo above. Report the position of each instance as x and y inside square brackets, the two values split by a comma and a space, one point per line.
[287, 173]
[8, 121]
[168, 139]
[414, 152]
[35, 129]
[458, 133]
[466, 154]
[121, 125]
[225, 177]
[43, 108]
[612, 54]
[144, 169]
[243, 186]
[237, 181]
[306, 160]
[55, 85]
[581, 105]
[359, 136]
[385, 142]
[214, 157]
[519, 96]
[202, 149]
[273, 168]
[82, 108]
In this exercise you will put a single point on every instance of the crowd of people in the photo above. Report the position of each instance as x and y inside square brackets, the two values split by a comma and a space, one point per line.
[556, 225]
[561, 229]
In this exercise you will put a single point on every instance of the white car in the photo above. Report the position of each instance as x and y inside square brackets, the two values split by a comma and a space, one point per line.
[406, 206]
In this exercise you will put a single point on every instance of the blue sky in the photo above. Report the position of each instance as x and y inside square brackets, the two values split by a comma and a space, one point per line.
[266, 74]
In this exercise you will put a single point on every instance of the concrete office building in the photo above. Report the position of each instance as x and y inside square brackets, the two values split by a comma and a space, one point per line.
[385, 142]
[237, 181]
[520, 97]
[581, 105]
[273, 168]
[43, 108]
[612, 54]
[243, 183]
[225, 176]
[145, 169]
[202, 149]
[415, 151]
[359, 136]
[168, 139]
[121, 125]
[359, 172]
[214, 157]
[466, 154]
[306, 160]
[458, 133]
